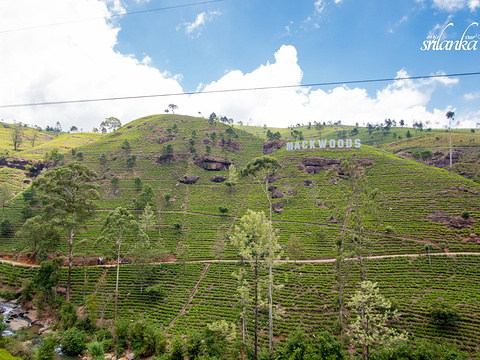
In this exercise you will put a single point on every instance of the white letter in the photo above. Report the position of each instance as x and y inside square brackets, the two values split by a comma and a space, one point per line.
[312, 144]
[322, 144]
[289, 146]
[297, 145]
[332, 142]
[340, 143]
[304, 144]
[348, 143]
[357, 143]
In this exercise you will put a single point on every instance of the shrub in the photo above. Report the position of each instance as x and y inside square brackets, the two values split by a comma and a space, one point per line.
[194, 344]
[389, 230]
[465, 215]
[7, 295]
[95, 349]
[47, 350]
[131, 161]
[121, 329]
[115, 181]
[167, 197]
[73, 341]
[444, 314]
[68, 313]
[138, 184]
[126, 145]
[223, 209]
[177, 348]
[168, 149]
[6, 227]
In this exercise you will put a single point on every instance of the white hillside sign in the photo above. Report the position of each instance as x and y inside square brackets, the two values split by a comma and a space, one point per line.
[324, 144]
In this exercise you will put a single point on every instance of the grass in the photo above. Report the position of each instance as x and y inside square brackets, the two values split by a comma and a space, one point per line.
[410, 192]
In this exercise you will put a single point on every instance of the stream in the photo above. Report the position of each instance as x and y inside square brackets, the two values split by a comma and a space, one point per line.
[13, 315]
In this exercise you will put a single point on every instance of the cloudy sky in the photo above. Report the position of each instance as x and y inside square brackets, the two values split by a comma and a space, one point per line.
[64, 50]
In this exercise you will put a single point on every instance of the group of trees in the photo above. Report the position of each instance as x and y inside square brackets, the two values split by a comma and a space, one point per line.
[213, 117]
[68, 195]
[110, 123]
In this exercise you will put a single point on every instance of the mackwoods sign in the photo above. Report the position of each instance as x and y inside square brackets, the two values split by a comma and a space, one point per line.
[324, 144]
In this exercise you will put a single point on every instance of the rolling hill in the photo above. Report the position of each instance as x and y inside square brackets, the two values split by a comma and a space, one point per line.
[185, 161]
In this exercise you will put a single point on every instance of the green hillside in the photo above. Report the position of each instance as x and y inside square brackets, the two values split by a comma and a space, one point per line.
[181, 158]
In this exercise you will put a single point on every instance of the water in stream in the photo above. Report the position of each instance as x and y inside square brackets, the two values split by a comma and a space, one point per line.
[30, 332]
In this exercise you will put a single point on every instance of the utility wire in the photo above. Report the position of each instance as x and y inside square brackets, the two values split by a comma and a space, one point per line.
[111, 16]
[79, 101]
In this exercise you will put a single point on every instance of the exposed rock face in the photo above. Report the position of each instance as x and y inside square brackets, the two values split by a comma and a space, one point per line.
[270, 146]
[456, 222]
[189, 179]
[230, 144]
[458, 189]
[213, 163]
[165, 139]
[277, 207]
[277, 194]
[314, 165]
[165, 159]
[218, 179]
[441, 159]
[20, 164]
[271, 178]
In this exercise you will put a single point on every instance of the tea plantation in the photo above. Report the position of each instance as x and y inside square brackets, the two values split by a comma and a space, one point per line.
[420, 233]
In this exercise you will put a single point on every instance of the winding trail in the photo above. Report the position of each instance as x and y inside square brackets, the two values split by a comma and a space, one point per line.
[192, 294]
[301, 261]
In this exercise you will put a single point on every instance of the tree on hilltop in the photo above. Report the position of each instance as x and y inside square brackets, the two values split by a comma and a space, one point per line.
[450, 116]
[17, 135]
[172, 107]
[111, 123]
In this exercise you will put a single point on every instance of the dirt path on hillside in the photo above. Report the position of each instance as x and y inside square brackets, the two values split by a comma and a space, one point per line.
[304, 261]
[190, 298]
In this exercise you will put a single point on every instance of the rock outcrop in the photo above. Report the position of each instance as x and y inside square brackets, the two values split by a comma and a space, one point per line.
[189, 179]
[270, 146]
[213, 163]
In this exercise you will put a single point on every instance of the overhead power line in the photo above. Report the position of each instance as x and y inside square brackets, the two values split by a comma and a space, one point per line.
[111, 16]
[332, 83]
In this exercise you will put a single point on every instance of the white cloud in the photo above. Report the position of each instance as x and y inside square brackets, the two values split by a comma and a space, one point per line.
[472, 96]
[455, 5]
[400, 99]
[319, 6]
[73, 61]
[194, 29]
[79, 62]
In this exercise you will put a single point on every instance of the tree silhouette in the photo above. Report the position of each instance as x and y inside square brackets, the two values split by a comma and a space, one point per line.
[450, 116]
[68, 192]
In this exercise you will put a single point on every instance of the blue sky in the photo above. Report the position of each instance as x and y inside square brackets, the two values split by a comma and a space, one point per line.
[240, 44]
